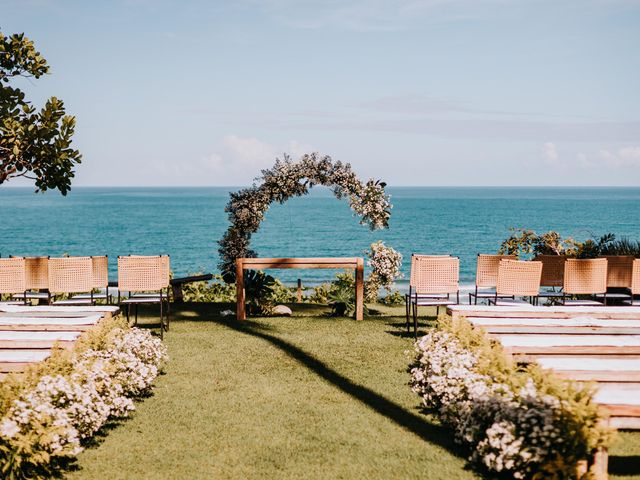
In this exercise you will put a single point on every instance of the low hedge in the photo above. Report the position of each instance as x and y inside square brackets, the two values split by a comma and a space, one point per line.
[49, 413]
[515, 421]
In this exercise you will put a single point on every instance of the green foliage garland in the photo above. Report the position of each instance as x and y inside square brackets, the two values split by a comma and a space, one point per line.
[287, 179]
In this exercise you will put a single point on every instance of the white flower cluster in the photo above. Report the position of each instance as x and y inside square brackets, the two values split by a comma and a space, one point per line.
[385, 264]
[508, 431]
[54, 417]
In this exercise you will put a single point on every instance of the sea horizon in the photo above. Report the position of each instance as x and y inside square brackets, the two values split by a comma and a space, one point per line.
[187, 222]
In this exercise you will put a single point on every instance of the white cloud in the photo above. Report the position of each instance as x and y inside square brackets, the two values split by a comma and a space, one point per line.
[550, 153]
[248, 152]
[239, 159]
[613, 159]
[623, 157]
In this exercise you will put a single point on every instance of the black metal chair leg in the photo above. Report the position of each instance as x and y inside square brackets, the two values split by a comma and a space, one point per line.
[168, 313]
[407, 306]
[415, 320]
[135, 323]
[161, 321]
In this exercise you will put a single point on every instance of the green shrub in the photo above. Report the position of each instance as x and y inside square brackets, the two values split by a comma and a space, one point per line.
[517, 421]
[48, 414]
[526, 243]
[393, 299]
[280, 293]
[213, 291]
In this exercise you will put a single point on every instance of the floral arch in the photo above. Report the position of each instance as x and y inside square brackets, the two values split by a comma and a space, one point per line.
[286, 179]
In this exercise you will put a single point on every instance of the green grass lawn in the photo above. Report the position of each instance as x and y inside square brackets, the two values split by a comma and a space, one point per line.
[302, 397]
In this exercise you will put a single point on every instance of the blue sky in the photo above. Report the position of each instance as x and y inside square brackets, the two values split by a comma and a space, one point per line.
[417, 92]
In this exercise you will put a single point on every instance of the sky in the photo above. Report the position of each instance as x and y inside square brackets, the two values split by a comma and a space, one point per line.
[415, 92]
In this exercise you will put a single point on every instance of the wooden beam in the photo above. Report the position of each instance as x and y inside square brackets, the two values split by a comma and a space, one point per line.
[559, 330]
[293, 260]
[457, 311]
[599, 376]
[592, 350]
[240, 299]
[360, 289]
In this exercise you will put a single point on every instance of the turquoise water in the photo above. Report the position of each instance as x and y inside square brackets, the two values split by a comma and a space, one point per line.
[187, 222]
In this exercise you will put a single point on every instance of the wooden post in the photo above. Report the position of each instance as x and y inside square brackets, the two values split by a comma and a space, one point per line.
[299, 293]
[240, 301]
[600, 466]
[360, 289]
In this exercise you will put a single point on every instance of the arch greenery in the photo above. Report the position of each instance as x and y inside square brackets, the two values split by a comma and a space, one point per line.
[286, 179]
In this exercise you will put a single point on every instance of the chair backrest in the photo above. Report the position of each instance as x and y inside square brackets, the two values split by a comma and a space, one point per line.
[143, 273]
[552, 270]
[100, 267]
[434, 274]
[37, 273]
[585, 276]
[635, 277]
[619, 270]
[13, 278]
[70, 275]
[487, 269]
[519, 278]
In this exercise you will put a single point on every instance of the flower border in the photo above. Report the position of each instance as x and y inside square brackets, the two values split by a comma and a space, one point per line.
[49, 414]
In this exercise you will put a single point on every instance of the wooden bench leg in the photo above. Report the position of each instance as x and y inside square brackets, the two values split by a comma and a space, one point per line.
[600, 467]
[240, 300]
[360, 289]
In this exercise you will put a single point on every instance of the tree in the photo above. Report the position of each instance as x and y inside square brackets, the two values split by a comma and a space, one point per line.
[33, 144]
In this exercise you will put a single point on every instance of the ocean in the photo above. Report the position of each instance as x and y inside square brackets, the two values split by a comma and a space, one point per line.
[186, 223]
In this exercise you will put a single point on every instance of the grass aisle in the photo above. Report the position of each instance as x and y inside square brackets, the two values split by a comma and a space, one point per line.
[304, 397]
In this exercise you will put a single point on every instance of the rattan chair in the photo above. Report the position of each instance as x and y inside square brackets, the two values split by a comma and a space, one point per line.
[13, 279]
[552, 278]
[100, 274]
[487, 276]
[585, 277]
[517, 279]
[70, 275]
[145, 278]
[634, 287]
[433, 295]
[37, 278]
[432, 282]
[618, 277]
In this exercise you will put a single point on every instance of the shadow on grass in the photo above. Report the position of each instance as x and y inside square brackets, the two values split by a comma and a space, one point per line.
[624, 466]
[410, 421]
[400, 328]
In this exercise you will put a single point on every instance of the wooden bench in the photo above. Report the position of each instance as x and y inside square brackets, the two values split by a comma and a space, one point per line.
[28, 333]
[585, 344]
[242, 264]
[177, 284]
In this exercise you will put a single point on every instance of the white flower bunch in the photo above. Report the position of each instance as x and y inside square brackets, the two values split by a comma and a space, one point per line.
[34, 421]
[134, 360]
[385, 264]
[60, 411]
[507, 431]
[445, 375]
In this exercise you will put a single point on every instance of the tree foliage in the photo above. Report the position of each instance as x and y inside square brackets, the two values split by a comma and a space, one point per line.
[525, 243]
[34, 144]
